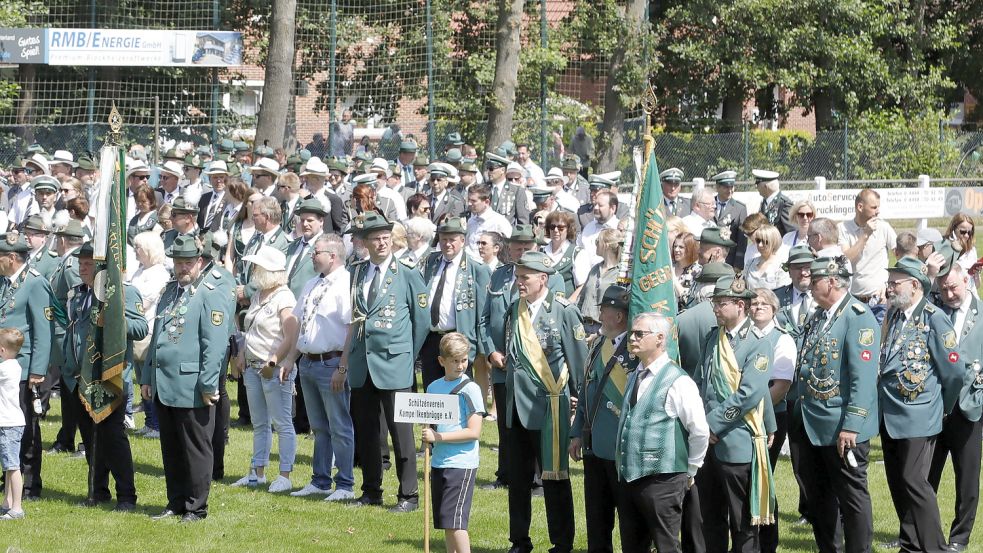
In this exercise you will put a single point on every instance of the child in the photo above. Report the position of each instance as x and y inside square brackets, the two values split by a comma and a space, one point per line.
[455, 450]
[11, 422]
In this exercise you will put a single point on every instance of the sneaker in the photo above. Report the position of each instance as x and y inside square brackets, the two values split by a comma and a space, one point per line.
[281, 484]
[341, 495]
[152, 434]
[12, 515]
[129, 423]
[310, 489]
[249, 480]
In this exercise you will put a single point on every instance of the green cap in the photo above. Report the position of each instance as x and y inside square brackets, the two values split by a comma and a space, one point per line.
[369, 222]
[407, 146]
[13, 241]
[571, 162]
[85, 250]
[36, 223]
[801, 253]
[509, 149]
[523, 233]
[73, 229]
[732, 287]
[615, 296]
[468, 167]
[830, 266]
[541, 194]
[455, 139]
[913, 267]
[184, 247]
[453, 156]
[453, 225]
[240, 146]
[536, 261]
[264, 151]
[173, 154]
[45, 182]
[85, 162]
[717, 236]
[181, 205]
[226, 145]
[421, 161]
[950, 251]
[311, 205]
[712, 272]
[194, 161]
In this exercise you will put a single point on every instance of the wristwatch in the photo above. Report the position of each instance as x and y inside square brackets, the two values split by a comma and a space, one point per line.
[342, 369]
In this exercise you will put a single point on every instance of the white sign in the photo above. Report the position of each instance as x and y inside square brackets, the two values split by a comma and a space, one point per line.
[838, 205]
[142, 47]
[427, 408]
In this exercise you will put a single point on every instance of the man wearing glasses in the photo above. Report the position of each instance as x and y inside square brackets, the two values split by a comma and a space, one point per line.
[701, 216]
[443, 201]
[866, 241]
[921, 375]
[19, 197]
[137, 173]
[508, 197]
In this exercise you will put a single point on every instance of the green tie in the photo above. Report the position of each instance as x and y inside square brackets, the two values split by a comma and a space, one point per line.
[374, 286]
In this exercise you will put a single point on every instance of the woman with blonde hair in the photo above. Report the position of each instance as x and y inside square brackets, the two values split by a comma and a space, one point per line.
[802, 213]
[149, 279]
[766, 271]
[609, 246]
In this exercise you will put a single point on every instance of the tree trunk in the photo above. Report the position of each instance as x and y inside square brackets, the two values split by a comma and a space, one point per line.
[502, 108]
[278, 85]
[732, 114]
[822, 102]
[26, 75]
[612, 131]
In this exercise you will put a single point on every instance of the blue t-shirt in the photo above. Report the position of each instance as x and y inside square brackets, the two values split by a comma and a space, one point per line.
[457, 455]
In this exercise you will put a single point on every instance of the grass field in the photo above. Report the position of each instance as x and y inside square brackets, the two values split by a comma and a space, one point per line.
[257, 521]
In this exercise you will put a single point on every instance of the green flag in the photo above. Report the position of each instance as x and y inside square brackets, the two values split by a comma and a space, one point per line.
[104, 358]
[651, 264]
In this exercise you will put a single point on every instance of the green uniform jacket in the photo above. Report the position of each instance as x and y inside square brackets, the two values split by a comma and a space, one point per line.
[971, 355]
[279, 240]
[63, 278]
[921, 374]
[45, 261]
[561, 334]
[184, 359]
[389, 333]
[694, 325]
[726, 418]
[835, 386]
[303, 270]
[500, 298]
[594, 406]
[79, 323]
[469, 301]
[564, 267]
[28, 305]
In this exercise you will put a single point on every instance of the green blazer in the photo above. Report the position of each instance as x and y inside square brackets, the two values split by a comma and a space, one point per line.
[694, 325]
[835, 388]
[278, 240]
[28, 305]
[726, 417]
[63, 278]
[303, 269]
[920, 373]
[389, 333]
[186, 352]
[564, 267]
[595, 406]
[44, 261]
[971, 356]
[561, 333]
[469, 303]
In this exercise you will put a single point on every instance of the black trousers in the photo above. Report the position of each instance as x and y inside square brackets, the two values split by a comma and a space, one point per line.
[600, 502]
[220, 435]
[186, 449]
[301, 424]
[558, 493]
[650, 511]
[837, 492]
[70, 411]
[960, 437]
[243, 400]
[691, 533]
[30, 445]
[795, 449]
[724, 492]
[768, 534]
[366, 403]
[110, 453]
[502, 472]
[906, 464]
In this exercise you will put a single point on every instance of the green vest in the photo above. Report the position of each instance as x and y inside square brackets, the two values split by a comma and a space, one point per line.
[650, 441]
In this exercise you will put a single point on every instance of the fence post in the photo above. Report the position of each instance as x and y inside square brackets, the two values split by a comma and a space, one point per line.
[431, 109]
[846, 149]
[747, 150]
[941, 142]
[544, 40]
[332, 60]
[924, 181]
[820, 183]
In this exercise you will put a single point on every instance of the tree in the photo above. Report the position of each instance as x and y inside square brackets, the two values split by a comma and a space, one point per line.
[278, 85]
[501, 109]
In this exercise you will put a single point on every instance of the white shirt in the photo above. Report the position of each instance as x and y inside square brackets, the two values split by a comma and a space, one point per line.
[21, 204]
[801, 300]
[783, 362]
[10, 411]
[370, 274]
[961, 315]
[870, 270]
[262, 328]
[169, 197]
[695, 224]
[397, 199]
[488, 221]
[535, 171]
[324, 312]
[588, 238]
[683, 402]
[447, 316]
[150, 282]
[536, 305]
[322, 196]
[567, 201]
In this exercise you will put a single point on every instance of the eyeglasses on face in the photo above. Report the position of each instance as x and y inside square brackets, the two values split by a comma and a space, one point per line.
[558, 227]
[965, 232]
[639, 334]
[896, 283]
[806, 214]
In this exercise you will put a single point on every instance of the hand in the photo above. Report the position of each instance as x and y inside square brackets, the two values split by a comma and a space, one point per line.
[935, 262]
[338, 380]
[209, 398]
[285, 370]
[691, 482]
[238, 366]
[145, 391]
[497, 360]
[771, 439]
[429, 436]
[35, 379]
[576, 449]
[713, 438]
[846, 440]
[240, 293]
[573, 403]
[871, 226]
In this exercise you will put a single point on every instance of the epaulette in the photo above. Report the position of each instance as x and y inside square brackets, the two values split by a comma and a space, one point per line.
[408, 262]
[208, 285]
[561, 300]
[33, 271]
[859, 308]
[52, 253]
[216, 274]
[930, 308]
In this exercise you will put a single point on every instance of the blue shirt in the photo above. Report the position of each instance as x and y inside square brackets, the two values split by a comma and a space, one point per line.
[458, 455]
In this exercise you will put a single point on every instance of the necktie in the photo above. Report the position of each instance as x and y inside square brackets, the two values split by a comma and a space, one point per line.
[374, 286]
[437, 295]
[495, 196]
[638, 384]
[952, 316]
[672, 206]
[720, 208]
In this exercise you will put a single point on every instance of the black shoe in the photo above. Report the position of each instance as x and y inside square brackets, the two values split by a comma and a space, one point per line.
[93, 502]
[166, 513]
[191, 517]
[537, 491]
[520, 549]
[58, 448]
[496, 485]
[957, 547]
[366, 501]
[405, 506]
[894, 544]
[125, 507]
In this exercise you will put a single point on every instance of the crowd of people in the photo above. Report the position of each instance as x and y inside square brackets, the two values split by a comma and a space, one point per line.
[325, 286]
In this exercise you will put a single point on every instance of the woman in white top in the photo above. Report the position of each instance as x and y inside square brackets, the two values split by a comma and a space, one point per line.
[149, 279]
[801, 214]
[419, 235]
[266, 362]
[766, 271]
[764, 307]
[562, 249]
[962, 233]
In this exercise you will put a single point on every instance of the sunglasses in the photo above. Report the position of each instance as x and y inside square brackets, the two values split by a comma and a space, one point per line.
[639, 334]
[513, 179]
[558, 227]
[67, 189]
[965, 232]
[806, 215]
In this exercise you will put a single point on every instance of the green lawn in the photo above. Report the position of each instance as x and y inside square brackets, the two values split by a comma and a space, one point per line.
[244, 520]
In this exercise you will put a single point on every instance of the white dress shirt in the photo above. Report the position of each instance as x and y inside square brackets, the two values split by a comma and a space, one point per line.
[961, 315]
[324, 312]
[588, 238]
[536, 305]
[783, 362]
[447, 316]
[488, 221]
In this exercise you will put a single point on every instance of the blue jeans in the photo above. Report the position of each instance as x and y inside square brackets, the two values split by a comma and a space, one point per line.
[270, 402]
[331, 421]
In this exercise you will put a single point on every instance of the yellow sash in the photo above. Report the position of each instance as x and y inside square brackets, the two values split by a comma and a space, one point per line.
[618, 377]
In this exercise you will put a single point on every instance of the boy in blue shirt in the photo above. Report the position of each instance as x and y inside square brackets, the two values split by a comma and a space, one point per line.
[455, 451]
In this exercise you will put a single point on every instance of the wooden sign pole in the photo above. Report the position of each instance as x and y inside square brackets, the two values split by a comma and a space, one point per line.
[426, 497]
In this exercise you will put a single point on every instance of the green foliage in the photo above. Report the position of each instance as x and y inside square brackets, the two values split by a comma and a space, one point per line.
[892, 144]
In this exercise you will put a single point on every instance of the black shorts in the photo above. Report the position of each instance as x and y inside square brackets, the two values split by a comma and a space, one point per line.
[452, 490]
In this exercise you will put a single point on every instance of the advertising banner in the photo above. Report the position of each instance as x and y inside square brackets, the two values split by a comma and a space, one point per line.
[22, 46]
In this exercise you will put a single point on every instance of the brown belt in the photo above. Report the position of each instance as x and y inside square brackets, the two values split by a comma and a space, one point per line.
[322, 357]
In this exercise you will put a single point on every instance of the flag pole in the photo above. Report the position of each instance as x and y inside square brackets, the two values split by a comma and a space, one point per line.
[649, 102]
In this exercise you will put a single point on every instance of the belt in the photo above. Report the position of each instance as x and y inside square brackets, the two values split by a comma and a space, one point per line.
[443, 332]
[321, 357]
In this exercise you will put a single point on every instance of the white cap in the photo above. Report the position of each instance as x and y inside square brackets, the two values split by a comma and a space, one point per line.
[762, 175]
[172, 168]
[365, 178]
[927, 235]
[268, 258]
[135, 166]
[380, 165]
[64, 156]
[555, 173]
[217, 167]
[516, 168]
[314, 166]
[40, 161]
[265, 165]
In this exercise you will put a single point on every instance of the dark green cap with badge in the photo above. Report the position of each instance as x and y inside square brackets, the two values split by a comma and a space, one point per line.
[85, 162]
[913, 267]
[13, 241]
[73, 229]
[717, 237]
[241, 146]
[184, 247]
[181, 205]
[311, 205]
[453, 225]
[800, 254]
[536, 261]
[732, 287]
[615, 296]
[468, 167]
[830, 266]
[950, 251]
[712, 272]
[407, 146]
[571, 162]
[85, 250]
[209, 249]
[523, 233]
[226, 145]
[194, 161]
[455, 139]
[36, 223]
[421, 161]
[369, 222]
[453, 156]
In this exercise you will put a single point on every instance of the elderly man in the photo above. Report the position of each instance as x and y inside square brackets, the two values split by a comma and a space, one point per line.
[546, 355]
[181, 374]
[62, 165]
[671, 179]
[835, 414]
[701, 216]
[661, 441]
[266, 218]
[774, 205]
[264, 173]
[443, 202]
[170, 176]
[288, 194]
[396, 210]
[212, 203]
[920, 379]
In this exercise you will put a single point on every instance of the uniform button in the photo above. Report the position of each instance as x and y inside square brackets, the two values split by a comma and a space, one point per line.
[802, 397]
